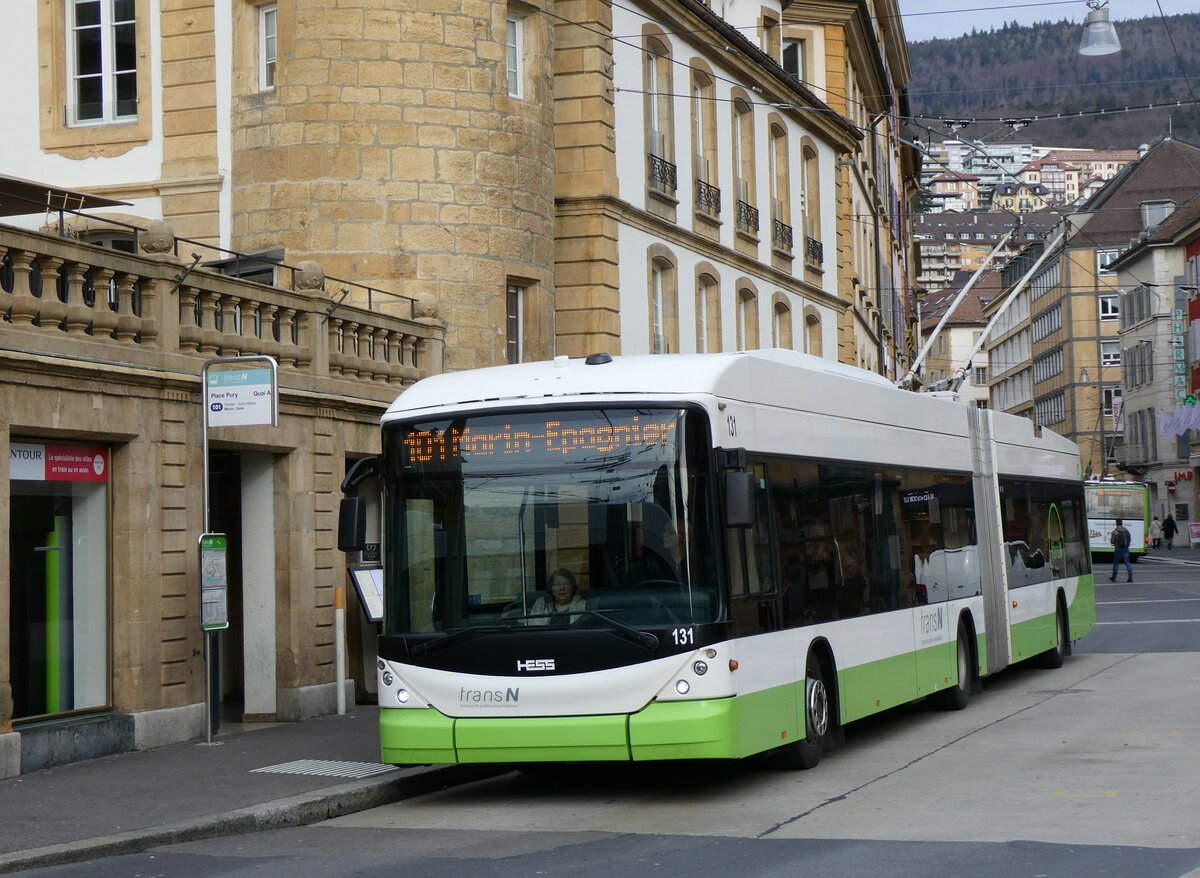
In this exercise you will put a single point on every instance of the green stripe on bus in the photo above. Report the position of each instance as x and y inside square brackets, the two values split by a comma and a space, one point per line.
[413, 736]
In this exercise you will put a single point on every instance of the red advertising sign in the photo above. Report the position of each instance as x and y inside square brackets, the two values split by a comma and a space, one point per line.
[76, 463]
[58, 463]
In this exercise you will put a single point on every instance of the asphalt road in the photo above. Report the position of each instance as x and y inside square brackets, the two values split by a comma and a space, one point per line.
[1089, 770]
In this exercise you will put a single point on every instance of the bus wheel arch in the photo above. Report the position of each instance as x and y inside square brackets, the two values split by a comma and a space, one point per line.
[820, 707]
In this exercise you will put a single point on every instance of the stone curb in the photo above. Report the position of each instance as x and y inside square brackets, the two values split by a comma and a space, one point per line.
[298, 810]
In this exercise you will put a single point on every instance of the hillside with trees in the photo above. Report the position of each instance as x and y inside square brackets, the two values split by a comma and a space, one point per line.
[1020, 72]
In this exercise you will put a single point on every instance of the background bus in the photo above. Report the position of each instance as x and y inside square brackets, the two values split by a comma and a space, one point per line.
[1108, 501]
[766, 546]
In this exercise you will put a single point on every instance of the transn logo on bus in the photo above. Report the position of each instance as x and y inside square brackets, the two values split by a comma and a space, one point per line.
[535, 665]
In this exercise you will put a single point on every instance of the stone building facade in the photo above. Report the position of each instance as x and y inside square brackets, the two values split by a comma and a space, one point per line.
[102, 499]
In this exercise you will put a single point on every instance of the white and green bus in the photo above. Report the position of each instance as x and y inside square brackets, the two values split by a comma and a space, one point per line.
[1109, 500]
[764, 546]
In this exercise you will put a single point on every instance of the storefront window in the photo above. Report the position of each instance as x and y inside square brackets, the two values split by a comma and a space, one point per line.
[58, 570]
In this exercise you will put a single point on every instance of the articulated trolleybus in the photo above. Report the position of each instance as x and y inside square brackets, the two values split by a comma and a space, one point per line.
[749, 550]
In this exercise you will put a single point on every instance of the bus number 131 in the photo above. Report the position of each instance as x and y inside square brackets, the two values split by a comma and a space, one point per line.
[683, 636]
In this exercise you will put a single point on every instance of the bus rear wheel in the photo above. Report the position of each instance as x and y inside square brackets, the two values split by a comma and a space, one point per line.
[1053, 657]
[807, 753]
[956, 698]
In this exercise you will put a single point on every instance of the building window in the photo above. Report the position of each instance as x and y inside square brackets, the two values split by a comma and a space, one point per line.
[664, 311]
[781, 325]
[267, 46]
[810, 194]
[1110, 308]
[1052, 410]
[1110, 353]
[795, 58]
[779, 181]
[743, 166]
[979, 379]
[514, 55]
[747, 320]
[708, 314]
[58, 549]
[660, 137]
[1109, 395]
[1048, 366]
[812, 335]
[514, 323]
[1103, 258]
[102, 62]
[704, 144]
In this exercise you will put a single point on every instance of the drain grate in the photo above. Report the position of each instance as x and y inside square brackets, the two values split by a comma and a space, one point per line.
[327, 768]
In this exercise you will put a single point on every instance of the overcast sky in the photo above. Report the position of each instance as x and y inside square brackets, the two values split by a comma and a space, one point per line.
[950, 18]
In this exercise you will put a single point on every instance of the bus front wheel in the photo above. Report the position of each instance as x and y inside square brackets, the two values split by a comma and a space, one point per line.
[807, 753]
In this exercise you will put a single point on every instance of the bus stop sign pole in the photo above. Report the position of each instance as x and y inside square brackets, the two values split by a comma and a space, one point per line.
[237, 392]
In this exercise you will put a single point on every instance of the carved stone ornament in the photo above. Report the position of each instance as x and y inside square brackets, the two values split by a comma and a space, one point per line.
[309, 276]
[425, 306]
[158, 237]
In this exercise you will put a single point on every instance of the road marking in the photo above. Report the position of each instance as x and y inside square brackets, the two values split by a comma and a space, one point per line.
[1150, 601]
[1106, 794]
[1152, 622]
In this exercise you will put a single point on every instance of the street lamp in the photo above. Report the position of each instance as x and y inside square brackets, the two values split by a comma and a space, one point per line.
[1099, 36]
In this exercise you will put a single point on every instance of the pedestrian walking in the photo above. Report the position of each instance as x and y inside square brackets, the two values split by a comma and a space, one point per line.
[1170, 528]
[1156, 533]
[1120, 540]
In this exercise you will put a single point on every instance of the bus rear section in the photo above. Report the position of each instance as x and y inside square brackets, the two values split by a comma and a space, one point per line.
[1109, 501]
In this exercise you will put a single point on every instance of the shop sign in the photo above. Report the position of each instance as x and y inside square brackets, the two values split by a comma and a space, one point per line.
[35, 462]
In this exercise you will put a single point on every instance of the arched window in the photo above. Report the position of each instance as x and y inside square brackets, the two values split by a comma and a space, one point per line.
[780, 183]
[781, 322]
[663, 302]
[814, 253]
[660, 136]
[747, 319]
[708, 313]
[812, 333]
[743, 166]
[704, 143]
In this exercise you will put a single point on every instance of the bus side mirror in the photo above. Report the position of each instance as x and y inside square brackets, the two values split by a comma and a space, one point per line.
[352, 524]
[739, 499]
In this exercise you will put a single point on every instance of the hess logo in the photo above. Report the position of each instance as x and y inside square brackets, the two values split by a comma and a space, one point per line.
[535, 665]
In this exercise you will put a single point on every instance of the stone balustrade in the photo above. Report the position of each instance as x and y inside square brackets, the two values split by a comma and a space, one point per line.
[60, 296]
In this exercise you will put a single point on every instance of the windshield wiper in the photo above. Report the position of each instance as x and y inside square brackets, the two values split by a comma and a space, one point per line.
[458, 636]
[641, 638]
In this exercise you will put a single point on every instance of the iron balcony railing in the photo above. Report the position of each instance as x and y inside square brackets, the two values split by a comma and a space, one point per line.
[814, 252]
[663, 175]
[747, 218]
[708, 198]
[781, 235]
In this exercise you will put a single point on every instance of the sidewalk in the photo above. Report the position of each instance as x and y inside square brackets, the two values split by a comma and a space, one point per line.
[134, 801]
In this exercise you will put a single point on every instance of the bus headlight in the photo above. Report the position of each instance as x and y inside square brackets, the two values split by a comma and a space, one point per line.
[387, 678]
[402, 696]
[700, 668]
[683, 687]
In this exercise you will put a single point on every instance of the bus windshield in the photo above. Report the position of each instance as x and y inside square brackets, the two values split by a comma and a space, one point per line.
[484, 511]
[1116, 502]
